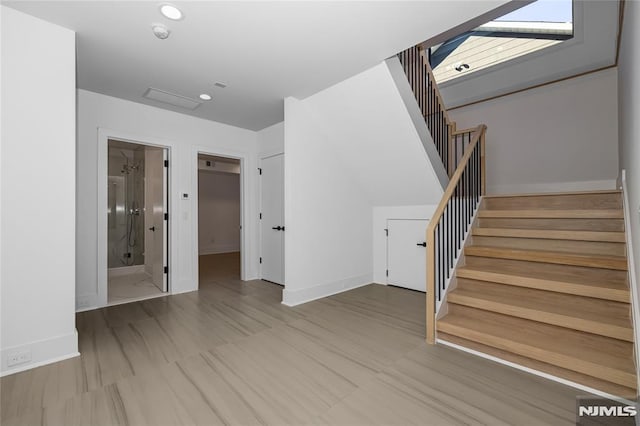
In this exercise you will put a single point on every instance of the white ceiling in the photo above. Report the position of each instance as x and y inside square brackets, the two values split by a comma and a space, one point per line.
[264, 51]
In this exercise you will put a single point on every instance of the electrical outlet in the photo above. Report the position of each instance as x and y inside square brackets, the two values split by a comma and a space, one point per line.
[18, 357]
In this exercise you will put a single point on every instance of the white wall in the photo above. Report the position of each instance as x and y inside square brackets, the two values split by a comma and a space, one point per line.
[327, 215]
[348, 149]
[38, 190]
[369, 128]
[629, 110]
[271, 140]
[380, 216]
[559, 137]
[218, 212]
[186, 136]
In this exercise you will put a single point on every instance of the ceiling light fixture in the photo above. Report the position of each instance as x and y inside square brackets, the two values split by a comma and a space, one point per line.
[160, 31]
[171, 12]
[205, 97]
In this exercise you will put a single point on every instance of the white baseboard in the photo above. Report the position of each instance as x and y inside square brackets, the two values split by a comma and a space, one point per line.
[42, 352]
[125, 270]
[219, 249]
[534, 188]
[304, 295]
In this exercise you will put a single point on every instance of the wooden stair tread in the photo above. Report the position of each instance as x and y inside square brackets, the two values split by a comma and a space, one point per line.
[562, 224]
[597, 356]
[576, 259]
[566, 246]
[596, 316]
[555, 194]
[583, 200]
[584, 281]
[563, 373]
[617, 237]
[555, 213]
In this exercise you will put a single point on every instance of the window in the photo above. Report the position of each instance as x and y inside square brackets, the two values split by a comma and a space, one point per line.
[529, 29]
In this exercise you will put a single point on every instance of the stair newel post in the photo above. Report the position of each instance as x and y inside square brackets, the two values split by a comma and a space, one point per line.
[431, 284]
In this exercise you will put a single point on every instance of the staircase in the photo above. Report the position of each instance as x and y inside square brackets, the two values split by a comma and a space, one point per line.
[537, 280]
[544, 285]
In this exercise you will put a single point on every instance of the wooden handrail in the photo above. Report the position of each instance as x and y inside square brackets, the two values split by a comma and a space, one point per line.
[478, 138]
[459, 132]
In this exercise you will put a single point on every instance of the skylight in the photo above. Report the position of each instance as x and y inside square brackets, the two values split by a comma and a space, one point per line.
[537, 26]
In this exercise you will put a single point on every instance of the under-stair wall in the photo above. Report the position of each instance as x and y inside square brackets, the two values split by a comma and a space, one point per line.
[349, 148]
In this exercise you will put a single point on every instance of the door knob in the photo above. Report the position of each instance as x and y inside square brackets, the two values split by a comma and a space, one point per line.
[153, 228]
[278, 228]
[422, 244]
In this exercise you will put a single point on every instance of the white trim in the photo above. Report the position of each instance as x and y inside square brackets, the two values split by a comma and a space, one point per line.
[43, 352]
[104, 135]
[304, 295]
[551, 187]
[245, 203]
[229, 248]
[138, 299]
[125, 270]
[633, 284]
[270, 153]
[584, 388]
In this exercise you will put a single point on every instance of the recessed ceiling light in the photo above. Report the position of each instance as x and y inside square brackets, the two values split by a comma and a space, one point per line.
[171, 12]
[220, 84]
[205, 97]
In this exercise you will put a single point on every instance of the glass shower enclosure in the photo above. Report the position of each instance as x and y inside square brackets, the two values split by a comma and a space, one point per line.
[126, 204]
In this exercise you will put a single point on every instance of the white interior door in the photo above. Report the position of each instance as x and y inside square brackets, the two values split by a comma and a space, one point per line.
[272, 222]
[156, 234]
[406, 254]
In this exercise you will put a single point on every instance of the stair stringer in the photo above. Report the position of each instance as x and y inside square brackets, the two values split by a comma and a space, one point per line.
[413, 109]
[633, 284]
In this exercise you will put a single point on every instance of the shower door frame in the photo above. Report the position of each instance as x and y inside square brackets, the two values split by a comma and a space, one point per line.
[104, 135]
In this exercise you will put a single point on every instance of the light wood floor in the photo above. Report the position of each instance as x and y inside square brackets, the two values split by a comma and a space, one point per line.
[232, 354]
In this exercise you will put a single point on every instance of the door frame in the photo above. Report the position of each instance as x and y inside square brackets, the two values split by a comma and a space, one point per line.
[245, 242]
[264, 156]
[104, 135]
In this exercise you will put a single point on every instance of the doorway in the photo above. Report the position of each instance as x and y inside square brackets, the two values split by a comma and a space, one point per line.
[219, 219]
[137, 221]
